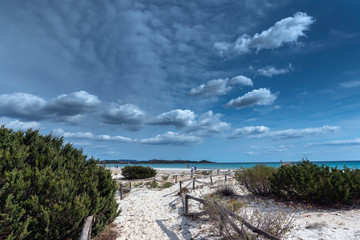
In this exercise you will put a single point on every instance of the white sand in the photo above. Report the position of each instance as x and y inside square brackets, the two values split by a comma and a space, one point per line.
[157, 214]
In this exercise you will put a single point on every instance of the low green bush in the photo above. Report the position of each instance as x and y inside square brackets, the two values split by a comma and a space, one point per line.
[47, 189]
[256, 179]
[138, 172]
[321, 184]
[167, 185]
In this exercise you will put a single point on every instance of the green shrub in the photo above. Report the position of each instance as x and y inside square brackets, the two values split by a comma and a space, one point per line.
[165, 177]
[256, 179]
[320, 184]
[47, 188]
[167, 185]
[153, 184]
[138, 172]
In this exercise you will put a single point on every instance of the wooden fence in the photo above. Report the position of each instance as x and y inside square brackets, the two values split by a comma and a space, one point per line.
[226, 216]
[194, 179]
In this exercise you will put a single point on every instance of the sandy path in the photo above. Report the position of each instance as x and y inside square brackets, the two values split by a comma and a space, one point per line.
[150, 214]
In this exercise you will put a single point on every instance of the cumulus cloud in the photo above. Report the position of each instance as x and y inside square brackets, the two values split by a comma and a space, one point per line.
[241, 80]
[89, 136]
[129, 116]
[65, 107]
[208, 124]
[16, 124]
[262, 131]
[22, 105]
[218, 87]
[249, 131]
[287, 30]
[178, 117]
[72, 104]
[260, 97]
[270, 71]
[172, 138]
[350, 84]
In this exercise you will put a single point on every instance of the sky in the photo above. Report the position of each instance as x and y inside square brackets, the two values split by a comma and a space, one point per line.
[225, 81]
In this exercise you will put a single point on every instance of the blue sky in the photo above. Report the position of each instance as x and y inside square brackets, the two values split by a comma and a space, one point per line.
[227, 81]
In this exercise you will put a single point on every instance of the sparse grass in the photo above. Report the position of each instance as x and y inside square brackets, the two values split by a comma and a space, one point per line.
[167, 185]
[165, 177]
[205, 173]
[225, 191]
[110, 233]
[153, 184]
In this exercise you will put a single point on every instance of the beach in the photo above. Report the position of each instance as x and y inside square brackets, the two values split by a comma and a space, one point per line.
[158, 213]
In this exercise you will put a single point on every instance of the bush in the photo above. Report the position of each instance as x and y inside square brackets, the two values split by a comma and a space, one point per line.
[138, 172]
[225, 191]
[256, 179]
[47, 189]
[167, 185]
[320, 184]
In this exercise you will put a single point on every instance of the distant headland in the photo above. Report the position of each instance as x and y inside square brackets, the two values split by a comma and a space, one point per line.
[126, 161]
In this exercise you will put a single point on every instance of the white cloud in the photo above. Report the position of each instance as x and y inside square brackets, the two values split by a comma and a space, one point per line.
[270, 71]
[350, 84]
[172, 138]
[16, 124]
[249, 131]
[76, 135]
[218, 87]
[129, 116]
[72, 104]
[90, 136]
[22, 105]
[287, 30]
[65, 107]
[262, 131]
[113, 138]
[352, 142]
[208, 124]
[241, 80]
[178, 117]
[260, 97]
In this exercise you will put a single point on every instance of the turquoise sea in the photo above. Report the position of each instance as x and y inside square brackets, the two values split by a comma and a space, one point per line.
[236, 165]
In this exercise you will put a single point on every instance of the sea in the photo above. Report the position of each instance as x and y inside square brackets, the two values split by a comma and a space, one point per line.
[237, 165]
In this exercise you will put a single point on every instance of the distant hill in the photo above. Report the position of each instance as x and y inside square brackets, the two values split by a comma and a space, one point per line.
[125, 161]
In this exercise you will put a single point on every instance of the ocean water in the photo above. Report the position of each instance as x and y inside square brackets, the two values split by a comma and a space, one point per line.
[237, 165]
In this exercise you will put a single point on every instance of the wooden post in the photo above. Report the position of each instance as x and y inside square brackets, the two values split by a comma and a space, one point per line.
[180, 186]
[211, 180]
[225, 177]
[175, 178]
[130, 185]
[121, 192]
[194, 183]
[186, 207]
[86, 231]
[218, 171]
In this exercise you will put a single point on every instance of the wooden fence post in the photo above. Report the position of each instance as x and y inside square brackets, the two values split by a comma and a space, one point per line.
[130, 185]
[186, 207]
[211, 180]
[180, 186]
[121, 192]
[194, 183]
[225, 177]
[86, 231]
[175, 178]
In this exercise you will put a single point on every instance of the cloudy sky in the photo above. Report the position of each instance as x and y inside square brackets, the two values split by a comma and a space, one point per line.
[227, 81]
